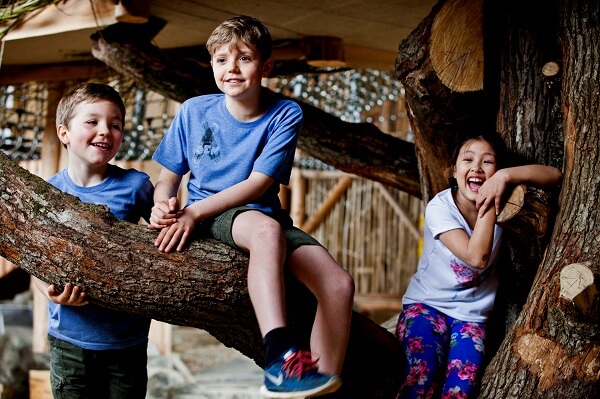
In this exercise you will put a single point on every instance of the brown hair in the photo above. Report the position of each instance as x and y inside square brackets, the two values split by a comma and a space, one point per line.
[86, 92]
[249, 30]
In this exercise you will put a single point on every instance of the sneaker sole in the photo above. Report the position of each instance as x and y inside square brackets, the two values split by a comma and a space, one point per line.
[331, 386]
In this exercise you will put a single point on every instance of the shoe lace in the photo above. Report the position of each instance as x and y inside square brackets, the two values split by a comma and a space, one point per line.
[299, 363]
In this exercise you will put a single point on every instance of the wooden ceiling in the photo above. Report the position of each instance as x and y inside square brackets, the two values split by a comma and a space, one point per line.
[370, 30]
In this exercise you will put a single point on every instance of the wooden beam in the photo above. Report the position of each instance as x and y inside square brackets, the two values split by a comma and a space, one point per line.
[17, 74]
[298, 200]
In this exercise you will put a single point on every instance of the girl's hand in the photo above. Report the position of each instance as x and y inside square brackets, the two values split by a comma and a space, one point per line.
[72, 295]
[164, 213]
[490, 193]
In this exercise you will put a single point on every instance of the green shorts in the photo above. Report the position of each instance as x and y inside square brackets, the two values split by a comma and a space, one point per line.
[219, 227]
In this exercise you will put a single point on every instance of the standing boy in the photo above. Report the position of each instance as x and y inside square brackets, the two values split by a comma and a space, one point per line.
[96, 352]
[239, 147]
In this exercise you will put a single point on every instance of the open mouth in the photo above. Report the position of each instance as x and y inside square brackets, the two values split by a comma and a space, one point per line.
[474, 183]
[103, 146]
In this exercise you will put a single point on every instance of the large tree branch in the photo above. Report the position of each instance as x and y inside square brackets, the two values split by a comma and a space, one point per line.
[58, 239]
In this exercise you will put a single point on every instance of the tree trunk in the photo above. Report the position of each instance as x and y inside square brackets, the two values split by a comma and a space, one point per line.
[552, 350]
[58, 239]
[440, 115]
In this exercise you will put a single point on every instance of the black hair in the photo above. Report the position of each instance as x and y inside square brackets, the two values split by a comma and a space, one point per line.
[494, 139]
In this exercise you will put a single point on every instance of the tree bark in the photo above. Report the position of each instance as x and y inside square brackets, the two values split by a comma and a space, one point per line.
[552, 350]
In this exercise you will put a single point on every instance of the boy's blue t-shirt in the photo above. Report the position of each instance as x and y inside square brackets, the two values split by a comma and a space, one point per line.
[220, 151]
[128, 194]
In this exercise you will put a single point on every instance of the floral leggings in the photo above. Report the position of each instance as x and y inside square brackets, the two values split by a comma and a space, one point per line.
[443, 354]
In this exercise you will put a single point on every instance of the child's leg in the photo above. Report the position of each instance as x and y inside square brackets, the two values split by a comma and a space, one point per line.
[72, 374]
[465, 358]
[290, 373]
[333, 287]
[126, 375]
[423, 334]
[263, 238]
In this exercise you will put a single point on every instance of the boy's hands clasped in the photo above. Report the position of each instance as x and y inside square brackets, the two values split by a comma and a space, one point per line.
[175, 225]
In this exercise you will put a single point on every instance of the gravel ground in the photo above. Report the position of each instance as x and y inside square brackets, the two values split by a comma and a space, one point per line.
[202, 368]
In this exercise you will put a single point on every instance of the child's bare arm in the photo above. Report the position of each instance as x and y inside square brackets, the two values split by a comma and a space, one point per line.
[477, 249]
[166, 205]
[72, 295]
[493, 189]
[176, 235]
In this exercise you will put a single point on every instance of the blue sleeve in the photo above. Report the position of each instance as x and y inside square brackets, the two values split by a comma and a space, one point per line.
[145, 199]
[277, 156]
[171, 153]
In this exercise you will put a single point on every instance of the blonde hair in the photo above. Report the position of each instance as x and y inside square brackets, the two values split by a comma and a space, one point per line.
[249, 30]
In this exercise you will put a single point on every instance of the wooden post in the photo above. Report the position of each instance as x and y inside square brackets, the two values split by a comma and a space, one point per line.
[297, 202]
[51, 145]
[284, 197]
[50, 159]
[39, 384]
[161, 334]
[334, 195]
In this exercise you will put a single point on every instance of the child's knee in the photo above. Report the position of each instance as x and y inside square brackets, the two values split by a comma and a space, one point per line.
[267, 231]
[344, 288]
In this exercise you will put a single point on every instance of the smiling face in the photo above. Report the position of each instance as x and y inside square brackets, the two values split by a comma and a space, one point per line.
[475, 164]
[239, 69]
[94, 134]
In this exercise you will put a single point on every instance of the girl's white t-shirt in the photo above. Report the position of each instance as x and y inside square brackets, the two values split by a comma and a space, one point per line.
[445, 282]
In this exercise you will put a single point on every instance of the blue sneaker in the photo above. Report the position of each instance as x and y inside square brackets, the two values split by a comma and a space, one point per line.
[295, 375]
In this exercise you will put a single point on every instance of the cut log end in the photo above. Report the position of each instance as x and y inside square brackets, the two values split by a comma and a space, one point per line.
[577, 285]
[513, 205]
[550, 69]
[457, 45]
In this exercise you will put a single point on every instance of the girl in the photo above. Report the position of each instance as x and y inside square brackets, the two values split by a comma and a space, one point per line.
[445, 307]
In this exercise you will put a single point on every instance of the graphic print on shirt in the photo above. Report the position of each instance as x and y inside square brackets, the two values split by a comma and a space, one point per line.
[208, 144]
[466, 276]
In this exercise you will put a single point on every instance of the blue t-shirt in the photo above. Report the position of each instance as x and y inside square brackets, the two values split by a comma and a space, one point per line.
[128, 194]
[220, 151]
[443, 281]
